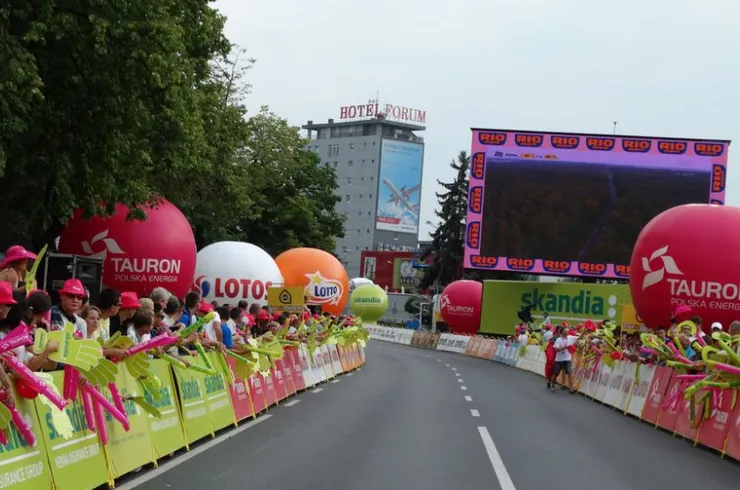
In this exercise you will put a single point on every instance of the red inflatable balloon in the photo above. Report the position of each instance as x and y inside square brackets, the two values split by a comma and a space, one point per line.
[138, 255]
[460, 306]
[688, 255]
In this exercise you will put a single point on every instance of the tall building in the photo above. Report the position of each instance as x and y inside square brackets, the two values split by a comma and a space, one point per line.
[379, 165]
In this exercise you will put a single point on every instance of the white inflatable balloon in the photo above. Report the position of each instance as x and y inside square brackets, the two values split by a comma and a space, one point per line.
[228, 272]
[357, 282]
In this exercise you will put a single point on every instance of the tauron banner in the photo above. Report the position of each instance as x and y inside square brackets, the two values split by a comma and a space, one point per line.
[563, 301]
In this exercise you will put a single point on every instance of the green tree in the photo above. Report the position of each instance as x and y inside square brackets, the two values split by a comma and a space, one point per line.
[107, 102]
[292, 192]
[448, 240]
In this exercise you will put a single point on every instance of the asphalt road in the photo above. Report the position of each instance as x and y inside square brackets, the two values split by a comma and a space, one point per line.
[403, 422]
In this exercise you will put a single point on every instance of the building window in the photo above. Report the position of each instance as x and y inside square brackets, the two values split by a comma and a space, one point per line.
[369, 213]
[350, 163]
[372, 161]
[357, 248]
[372, 178]
[362, 179]
[362, 195]
[351, 147]
[349, 180]
[371, 196]
[364, 143]
[333, 150]
[363, 161]
[359, 213]
[373, 143]
[336, 164]
[368, 231]
[395, 236]
[348, 198]
[358, 230]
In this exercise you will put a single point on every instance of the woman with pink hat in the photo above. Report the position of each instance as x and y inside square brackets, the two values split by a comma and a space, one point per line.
[14, 266]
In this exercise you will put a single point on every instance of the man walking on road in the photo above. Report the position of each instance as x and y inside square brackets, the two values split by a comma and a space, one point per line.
[563, 359]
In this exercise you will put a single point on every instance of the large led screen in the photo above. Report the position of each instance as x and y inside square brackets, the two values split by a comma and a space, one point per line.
[573, 204]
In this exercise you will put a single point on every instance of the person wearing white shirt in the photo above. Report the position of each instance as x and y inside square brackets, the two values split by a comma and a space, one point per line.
[213, 328]
[141, 326]
[547, 335]
[523, 338]
[563, 359]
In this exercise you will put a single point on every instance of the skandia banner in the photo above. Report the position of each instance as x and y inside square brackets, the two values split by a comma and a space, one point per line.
[563, 301]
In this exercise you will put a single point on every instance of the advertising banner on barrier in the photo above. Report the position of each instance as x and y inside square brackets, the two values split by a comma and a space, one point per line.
[166, 433]
[658, 388]
[290, 383]
[239, 393]
[643, 379]
[326, 360]
[24, 467]
[614, 387]
[294, 358]
[191, 389]
[218, 398]
[317, 366]
[271, 397]
[278, 378]
[732, 446]
[713, 431]
[307, 367]
[572, 302]
[684, 426]
[628, 383]
[128, 450]
[257, 392]
[669, 416]
[77, 463]
[336, 365]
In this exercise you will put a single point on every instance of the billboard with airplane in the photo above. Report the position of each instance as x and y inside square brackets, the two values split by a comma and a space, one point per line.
[399, 194]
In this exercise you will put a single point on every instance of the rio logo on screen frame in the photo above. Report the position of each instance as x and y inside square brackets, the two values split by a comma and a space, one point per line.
[552, 148]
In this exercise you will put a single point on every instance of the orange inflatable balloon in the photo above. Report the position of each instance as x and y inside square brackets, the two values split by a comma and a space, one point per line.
[321, 275]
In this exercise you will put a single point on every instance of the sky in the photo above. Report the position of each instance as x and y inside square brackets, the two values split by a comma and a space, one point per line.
[658, 68]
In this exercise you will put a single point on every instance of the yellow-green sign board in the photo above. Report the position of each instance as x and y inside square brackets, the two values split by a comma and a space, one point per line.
[563, 301]
[290, 299]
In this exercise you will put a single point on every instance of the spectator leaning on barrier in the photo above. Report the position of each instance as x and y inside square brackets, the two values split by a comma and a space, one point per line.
[190, 312]
[160, 296]
[129, 306]
[38, 305]
[71, 296]
[141, 326]
[109, 303]
[172, 314]
[147, 305]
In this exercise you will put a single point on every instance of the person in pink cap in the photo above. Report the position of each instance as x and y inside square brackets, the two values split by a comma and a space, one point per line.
[14, 266]
[71, 296]
[130, 304]
[6, 299]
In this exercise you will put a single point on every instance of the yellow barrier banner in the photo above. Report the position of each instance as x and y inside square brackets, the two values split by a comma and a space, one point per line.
[76, 463]
[127, 451]
[191, 389]
[166, 433]
[218, 398]
[23, 467]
